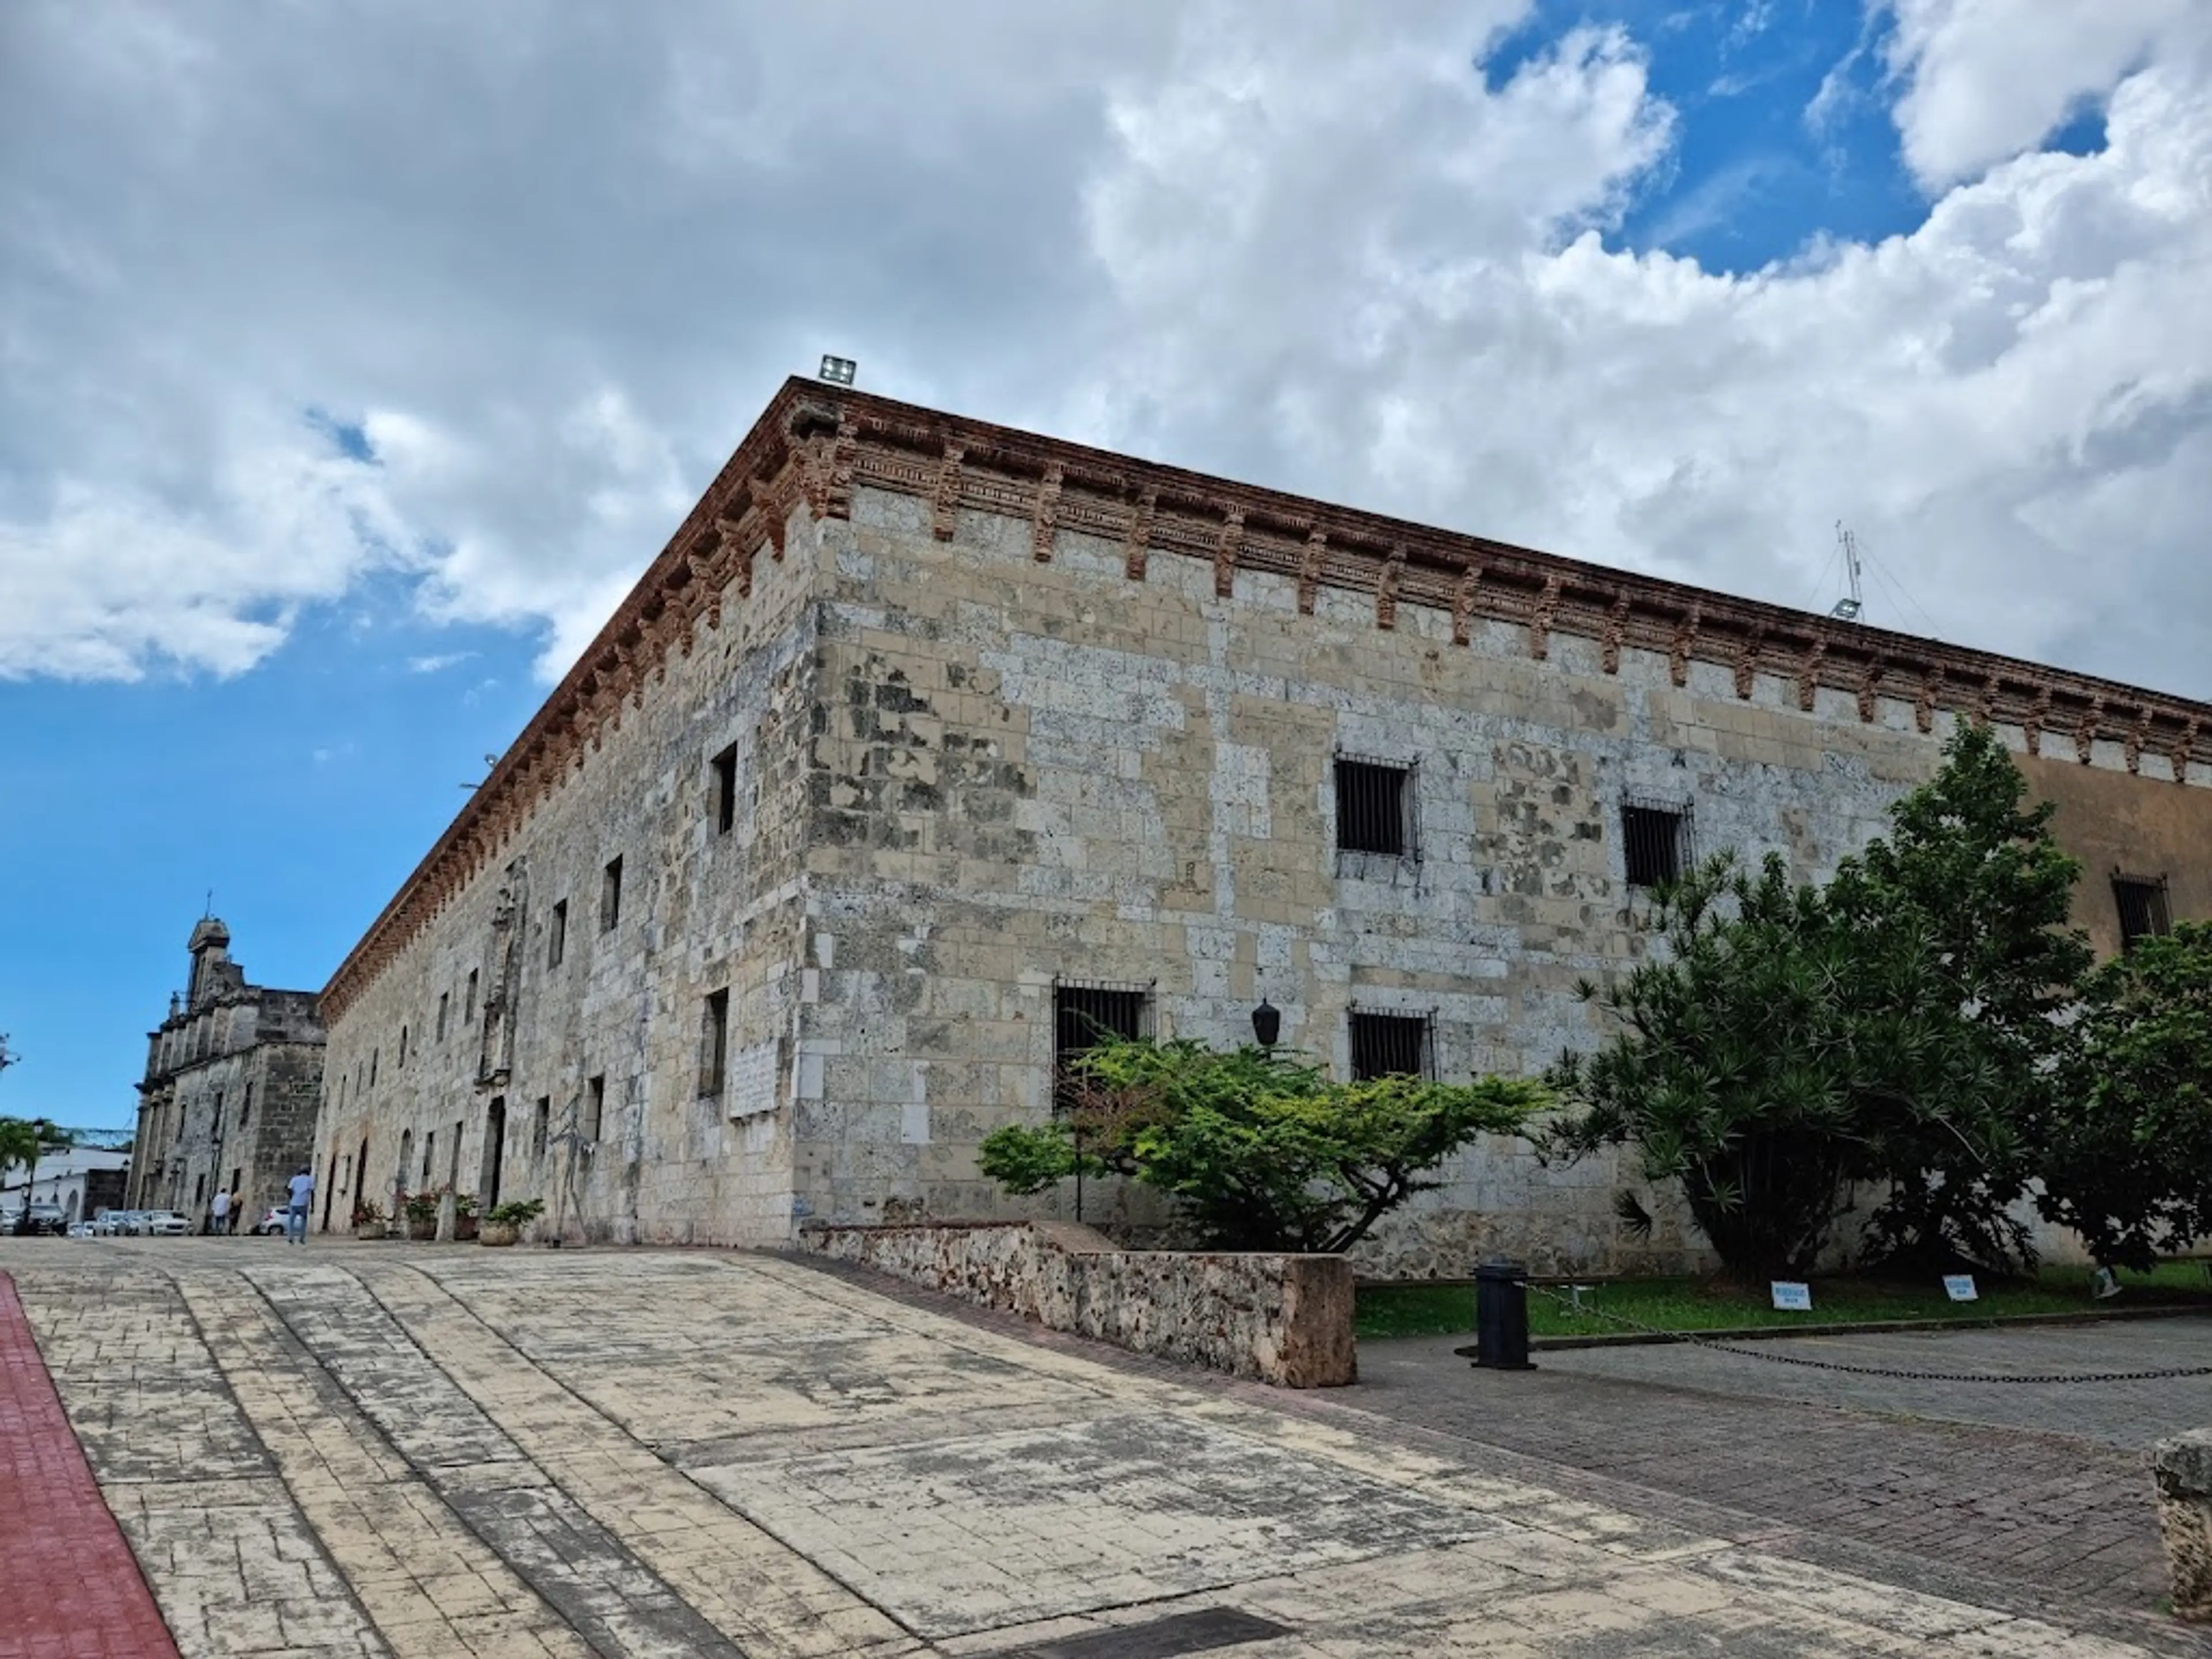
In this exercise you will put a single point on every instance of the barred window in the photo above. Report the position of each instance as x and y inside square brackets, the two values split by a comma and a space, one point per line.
[1389, 1045]
[1086, 1012]
[1375, 812]
[1655, 842]
[2141, 903]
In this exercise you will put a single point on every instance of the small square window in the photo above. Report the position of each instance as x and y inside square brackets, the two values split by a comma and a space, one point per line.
[1389, 1045]
[726, 790]
[557, 934]
[610, 896]
[2141, 903]
[714, 1042]
[1374, 808]
[1654, 843]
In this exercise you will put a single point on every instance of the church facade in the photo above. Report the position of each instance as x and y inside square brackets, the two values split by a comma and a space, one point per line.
[927, 746]
[233, 1080]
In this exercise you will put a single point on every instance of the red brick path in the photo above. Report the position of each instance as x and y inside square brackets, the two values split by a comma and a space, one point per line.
[71, 1589]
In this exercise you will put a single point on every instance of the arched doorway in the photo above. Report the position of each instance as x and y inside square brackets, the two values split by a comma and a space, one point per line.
[495, 1149]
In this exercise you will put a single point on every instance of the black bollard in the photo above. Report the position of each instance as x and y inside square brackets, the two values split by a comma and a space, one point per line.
[1501, 1316]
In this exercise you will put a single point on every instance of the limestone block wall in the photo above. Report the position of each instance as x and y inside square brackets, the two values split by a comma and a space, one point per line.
[538, 1041]
[1039, 771]
[1284, 1319]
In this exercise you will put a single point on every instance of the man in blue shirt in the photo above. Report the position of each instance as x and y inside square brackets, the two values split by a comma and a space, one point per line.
[302, 1188]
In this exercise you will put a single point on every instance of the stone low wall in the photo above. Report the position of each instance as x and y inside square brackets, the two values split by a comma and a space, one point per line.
[2182, 1467]
[1283, 1319]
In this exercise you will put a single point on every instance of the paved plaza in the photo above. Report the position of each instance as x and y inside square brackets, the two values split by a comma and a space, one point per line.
[377, 1448]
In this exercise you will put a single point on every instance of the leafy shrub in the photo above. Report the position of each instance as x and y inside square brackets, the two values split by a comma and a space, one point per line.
[1258, 1148]
[516, 1212]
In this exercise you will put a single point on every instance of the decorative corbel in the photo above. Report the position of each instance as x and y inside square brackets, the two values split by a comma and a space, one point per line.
[2085, 731]
[945, 500]
[1225, 551]
[1386, 588]
[1463, 605]
[774, 507]
[1870, 689]
[1310, 570]
[1138, 547]
[1616, 630]
[1747, 659]
[2039, 716]
[1924, 706]
[2185, 747]
[1679, 648]
[1046, 519]
[2138, 734]
[1808, 676]
[1985, 706]
[1541, 617]
[737, 550]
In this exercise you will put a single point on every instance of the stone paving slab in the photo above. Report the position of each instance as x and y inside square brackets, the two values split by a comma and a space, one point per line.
[461, 1452]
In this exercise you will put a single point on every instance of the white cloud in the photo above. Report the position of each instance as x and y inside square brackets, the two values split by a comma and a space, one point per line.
[1988, 80]
[551, 266]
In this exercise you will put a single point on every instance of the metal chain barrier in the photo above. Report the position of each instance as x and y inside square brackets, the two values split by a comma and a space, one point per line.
[2160, 1376]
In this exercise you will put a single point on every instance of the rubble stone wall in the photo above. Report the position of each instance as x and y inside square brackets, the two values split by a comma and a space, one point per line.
[1283, 1319]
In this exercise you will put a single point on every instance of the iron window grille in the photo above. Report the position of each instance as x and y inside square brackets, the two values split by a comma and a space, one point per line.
[2141, 903]
[1085, 1013]
[1655, 841]
[1376, 815]
[1391, 1045]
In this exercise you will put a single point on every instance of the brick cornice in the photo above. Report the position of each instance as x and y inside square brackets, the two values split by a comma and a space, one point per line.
[815, 445]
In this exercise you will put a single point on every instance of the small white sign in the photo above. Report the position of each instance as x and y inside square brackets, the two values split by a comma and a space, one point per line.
[1792, 1298]
[2104, 1284]
[1960, 1287]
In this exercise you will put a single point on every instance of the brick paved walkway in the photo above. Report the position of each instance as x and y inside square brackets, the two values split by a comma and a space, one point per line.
[366, 1450]
[70, 1589]
[2053, 1513]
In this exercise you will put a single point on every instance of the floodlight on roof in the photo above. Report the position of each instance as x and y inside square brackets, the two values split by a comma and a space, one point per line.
[1845, 610]
[838, 371]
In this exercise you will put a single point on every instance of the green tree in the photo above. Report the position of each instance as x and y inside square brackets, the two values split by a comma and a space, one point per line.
[1258, 1148]
[1774, 1054]
[1972, 868]
[2127, 1143]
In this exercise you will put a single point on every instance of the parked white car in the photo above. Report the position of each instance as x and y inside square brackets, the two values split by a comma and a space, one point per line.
[166, 1224]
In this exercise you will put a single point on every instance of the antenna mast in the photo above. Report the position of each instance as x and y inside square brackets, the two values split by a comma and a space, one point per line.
[1847, 610]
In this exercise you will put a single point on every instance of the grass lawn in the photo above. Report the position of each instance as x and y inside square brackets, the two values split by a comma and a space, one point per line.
[1693, 1305]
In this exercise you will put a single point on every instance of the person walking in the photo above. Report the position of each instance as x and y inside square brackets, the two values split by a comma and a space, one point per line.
[219, 1213]
[300, 1188]
[237, 1207]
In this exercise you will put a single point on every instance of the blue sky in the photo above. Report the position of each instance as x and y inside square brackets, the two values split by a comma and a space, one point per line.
[356, 363]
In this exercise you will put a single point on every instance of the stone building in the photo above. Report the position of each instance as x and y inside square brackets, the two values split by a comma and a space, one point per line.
[925, 744]
[234, 1078]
